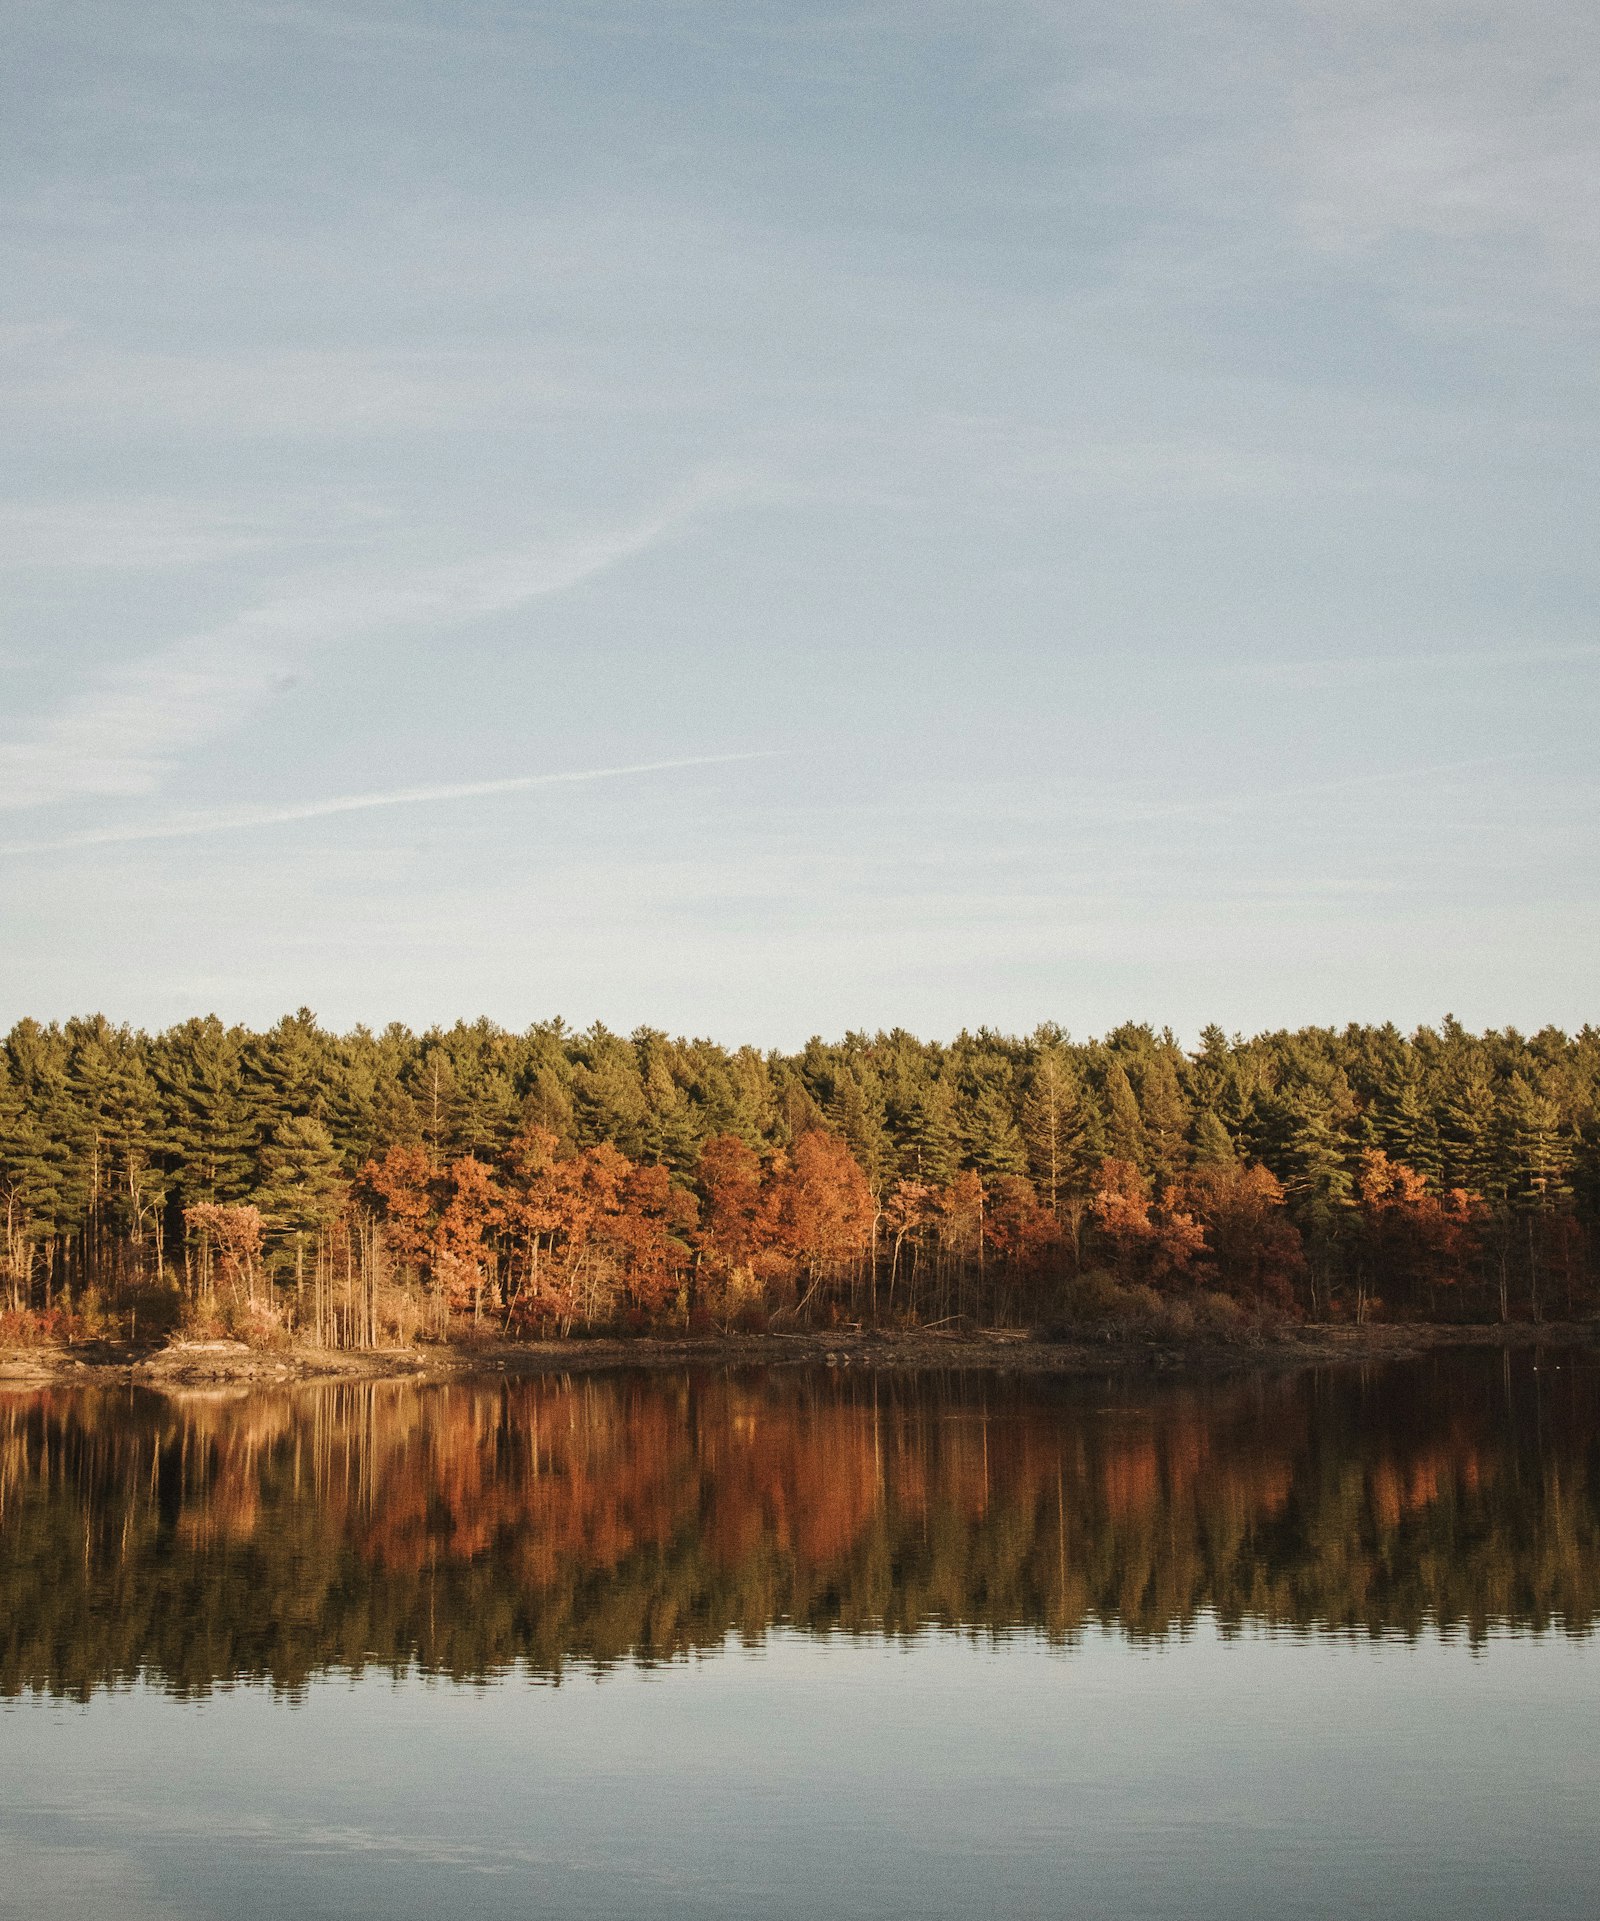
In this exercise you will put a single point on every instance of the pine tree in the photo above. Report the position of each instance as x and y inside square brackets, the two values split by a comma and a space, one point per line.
[1165, 1116]
[50, 1157]
[673, 1131]
[1535, 1163]
[1403, 1120]
[480, 1114]
[990, 1140]
[856, 1112]
[30, 1184]
[1467, 1125]
[928, 1141]
[1058, 1126]
[288, 1070]
[303, 1187]
[1213, 1144]
[608, 1094]
[1124, 1129]
[1534, 1160]
[199, 1074]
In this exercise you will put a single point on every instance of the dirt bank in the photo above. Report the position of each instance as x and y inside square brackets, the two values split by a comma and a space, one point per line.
[198, 1363]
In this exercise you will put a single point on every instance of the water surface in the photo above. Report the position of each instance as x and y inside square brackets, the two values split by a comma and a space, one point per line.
[800, 1642]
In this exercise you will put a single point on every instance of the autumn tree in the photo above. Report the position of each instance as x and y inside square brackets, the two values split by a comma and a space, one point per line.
[1146, 1240]
[1253, 1249]
[1415, 1241]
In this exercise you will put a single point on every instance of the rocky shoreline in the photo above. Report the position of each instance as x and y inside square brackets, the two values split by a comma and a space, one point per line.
[201, 1363]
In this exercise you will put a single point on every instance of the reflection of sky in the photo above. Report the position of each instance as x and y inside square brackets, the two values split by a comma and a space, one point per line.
[1258, 1777]
[1130, 468]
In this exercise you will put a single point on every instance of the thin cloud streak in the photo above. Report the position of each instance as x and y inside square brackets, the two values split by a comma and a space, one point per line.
[233, 818]
[121, 737]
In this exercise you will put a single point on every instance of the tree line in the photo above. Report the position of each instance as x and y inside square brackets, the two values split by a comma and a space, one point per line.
[369, 1186]
[470, 1528]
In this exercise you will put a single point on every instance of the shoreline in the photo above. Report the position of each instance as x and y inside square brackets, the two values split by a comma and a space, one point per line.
[1004, 1350]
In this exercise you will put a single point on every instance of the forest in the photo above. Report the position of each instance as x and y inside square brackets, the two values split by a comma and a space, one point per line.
[376, 1188]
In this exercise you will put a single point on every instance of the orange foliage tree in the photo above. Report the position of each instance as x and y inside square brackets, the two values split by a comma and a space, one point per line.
[1417, 1240]
[1252, 1249]
[1147, 1240]
[824, 1209]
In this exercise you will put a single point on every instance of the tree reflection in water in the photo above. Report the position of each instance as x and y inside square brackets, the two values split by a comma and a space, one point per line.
[469, 1527]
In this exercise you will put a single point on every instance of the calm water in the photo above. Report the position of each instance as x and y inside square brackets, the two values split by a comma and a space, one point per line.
[806, 1643]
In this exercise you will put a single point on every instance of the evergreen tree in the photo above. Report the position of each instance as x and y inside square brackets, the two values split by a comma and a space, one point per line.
[856, 1112]
[1164, 1114]
[199, 1074]
[1534, 1159]
[990, 1139]
[608, 1094]
[30, 1185]
[303, 1187]
[929, 1145]
[673, 1129]
[1403, 1119]
[1467, 1132]
[1213, 1144]
[288, 1070]
[1058, 1126]
[1124, 1129]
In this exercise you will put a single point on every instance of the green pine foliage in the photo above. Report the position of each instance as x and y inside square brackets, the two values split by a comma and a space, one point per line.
[108, 1135]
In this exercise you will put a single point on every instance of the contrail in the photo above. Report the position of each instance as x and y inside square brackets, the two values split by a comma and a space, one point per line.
[187, 827]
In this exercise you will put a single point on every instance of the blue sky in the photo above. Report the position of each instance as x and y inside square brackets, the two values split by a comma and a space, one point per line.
[1121, 480]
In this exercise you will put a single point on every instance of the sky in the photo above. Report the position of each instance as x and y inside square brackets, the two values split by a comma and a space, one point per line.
[767, 519]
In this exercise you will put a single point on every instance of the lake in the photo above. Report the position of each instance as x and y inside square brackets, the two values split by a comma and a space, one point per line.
[807, 1642]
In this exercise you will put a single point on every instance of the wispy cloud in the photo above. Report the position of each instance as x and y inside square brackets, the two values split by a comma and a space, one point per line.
[224, 820]
[120, 737]
[1443, 152]
[117, 739]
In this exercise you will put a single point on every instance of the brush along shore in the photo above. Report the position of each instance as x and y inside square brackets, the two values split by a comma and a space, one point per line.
[184, 1363]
